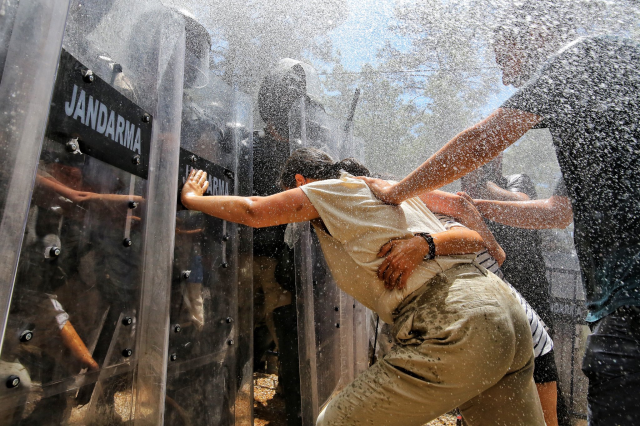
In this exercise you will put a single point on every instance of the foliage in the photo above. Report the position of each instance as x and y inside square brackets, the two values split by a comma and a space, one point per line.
[251, 36]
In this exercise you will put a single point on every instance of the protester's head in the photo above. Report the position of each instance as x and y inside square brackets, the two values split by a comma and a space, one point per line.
[309, 164]
[527, 34]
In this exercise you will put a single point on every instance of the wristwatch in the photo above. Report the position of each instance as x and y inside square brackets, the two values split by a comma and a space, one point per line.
[432, 246]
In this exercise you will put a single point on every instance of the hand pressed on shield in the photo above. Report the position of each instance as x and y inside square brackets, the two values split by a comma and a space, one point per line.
[195, 186]
[401, 259]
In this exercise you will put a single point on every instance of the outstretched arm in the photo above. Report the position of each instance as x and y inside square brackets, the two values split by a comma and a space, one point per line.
[462, 154]
[494, 192]
[464, 212]
[84, 196]
[554, 212]
[286, 207]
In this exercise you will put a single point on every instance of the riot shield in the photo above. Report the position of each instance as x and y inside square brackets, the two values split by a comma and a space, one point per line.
[570, 329]
[244, 322]
[26, 83]
[332, 328]
[205, 339]
[74, 321]
[362, 330]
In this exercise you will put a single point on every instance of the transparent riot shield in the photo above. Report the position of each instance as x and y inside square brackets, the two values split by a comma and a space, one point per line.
[26, 83]
[332, 327]
[244, 323]
[72, 339]
[208, 343]
[362, 329]
[570, 329]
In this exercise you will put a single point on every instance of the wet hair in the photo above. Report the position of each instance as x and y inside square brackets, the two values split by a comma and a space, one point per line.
[315, 164]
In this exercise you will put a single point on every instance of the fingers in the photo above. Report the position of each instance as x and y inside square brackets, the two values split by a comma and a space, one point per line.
[399, 281]
[198, 176]
[387, 273]
[205, 186]
[384, 269]
[364, 178]
[202, 179]
[385, 249]
[371, 182]
[466, 196]
[394, 278]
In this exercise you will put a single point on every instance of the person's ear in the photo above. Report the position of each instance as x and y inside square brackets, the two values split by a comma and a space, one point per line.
[300, 180]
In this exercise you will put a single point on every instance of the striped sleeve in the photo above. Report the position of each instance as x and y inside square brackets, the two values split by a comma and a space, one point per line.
[447, 221]
[487, 261]
[542, 343]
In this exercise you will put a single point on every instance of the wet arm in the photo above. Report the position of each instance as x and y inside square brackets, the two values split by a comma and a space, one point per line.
[457, 240]
[85, 196]
[464, 212]
[554, 212]
[462, 154]
[494, 192]
[286, 207]
[404, 255]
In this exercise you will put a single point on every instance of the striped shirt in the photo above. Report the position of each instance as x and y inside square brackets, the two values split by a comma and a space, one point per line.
[542, 343]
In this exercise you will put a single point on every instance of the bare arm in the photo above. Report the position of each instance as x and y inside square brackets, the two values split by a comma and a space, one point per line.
[554, 212]
[462, 154]
[457, 240]
[464, 212]
[404, 255]
[84, 196]
[494, 192]
[286, 207]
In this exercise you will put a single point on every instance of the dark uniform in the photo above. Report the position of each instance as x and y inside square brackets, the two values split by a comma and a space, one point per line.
[589, 96]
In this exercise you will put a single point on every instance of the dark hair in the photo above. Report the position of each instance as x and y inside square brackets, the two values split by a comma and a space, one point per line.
[315, 164]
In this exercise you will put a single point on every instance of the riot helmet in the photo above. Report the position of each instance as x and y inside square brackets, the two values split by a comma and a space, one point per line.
[198, 47]
[287, 82]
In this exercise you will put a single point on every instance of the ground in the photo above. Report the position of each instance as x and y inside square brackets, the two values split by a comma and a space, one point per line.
[269, 406]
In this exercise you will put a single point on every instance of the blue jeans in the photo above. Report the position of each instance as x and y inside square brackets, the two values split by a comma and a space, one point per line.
[612, 364]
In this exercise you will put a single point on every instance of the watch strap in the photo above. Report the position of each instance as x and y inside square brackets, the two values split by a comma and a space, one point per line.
[432, 246]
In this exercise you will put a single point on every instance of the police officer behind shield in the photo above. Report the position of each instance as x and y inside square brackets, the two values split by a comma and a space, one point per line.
[288, 82]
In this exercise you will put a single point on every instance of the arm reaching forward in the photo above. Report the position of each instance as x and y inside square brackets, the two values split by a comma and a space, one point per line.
[464, 212]
[465, 152]
[285, 207]
[554, 212]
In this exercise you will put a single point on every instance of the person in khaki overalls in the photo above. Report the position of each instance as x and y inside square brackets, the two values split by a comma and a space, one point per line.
[463, 340]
